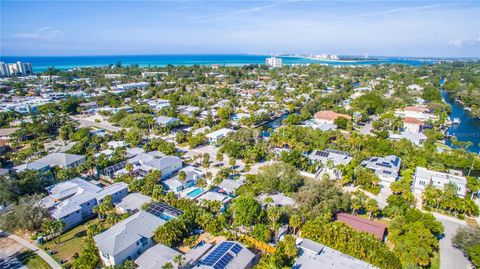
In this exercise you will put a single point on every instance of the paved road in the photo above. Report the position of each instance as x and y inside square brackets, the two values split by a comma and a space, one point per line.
[38, 251]
[451, 257]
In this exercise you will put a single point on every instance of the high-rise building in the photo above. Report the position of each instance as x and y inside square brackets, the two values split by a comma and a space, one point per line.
[15, 69]
[4, 72]
[274, 62]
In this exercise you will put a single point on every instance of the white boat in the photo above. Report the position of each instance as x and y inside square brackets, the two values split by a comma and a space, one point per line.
[456, 121]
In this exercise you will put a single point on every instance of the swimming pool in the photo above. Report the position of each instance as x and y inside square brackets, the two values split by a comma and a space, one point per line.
[166, 217]
[196, 192]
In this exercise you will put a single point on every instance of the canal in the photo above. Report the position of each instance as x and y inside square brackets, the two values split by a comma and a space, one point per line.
[469, 127]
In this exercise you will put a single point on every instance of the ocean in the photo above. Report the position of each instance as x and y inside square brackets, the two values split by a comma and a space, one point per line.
[42, 63]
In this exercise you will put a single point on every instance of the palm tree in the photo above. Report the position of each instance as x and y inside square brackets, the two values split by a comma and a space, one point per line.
[179, 260]
[273, 214]
[129, 168]
[167, 266]
[356, 205]
[295, 221]
[372, 207]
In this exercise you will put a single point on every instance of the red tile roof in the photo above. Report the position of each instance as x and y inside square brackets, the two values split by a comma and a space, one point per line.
[412, 121]
[330, 115]
[363, 225]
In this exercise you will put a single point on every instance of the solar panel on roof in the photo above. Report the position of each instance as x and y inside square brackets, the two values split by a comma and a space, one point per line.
[157, 209]
[236, 248]
[220, 257]
[322, 153]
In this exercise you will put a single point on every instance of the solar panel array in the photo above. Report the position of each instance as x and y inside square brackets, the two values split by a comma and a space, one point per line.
[114, 168]
[222, 255]
[157, 209]
[322, 153]
[339, 152]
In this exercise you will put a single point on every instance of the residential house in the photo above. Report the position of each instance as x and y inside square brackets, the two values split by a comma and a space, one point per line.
[165, 121]
[216, 136]
[159, 255]
[227, 255]
[231, 185]
[412, 125]
[312, 255]
[192, 175]
[418, 112]
[424, 177]
[416, 138]
[63, 160]
[278, 199]
[374, 228]
[73, 201]
[328, 116]
[386, 168]
[132, 203]
[37, 166]
[127, 239]
[330, 159]
[214, 196]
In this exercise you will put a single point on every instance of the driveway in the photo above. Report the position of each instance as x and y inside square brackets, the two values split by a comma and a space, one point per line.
[47, 258]
[9, 249]
[451, 257]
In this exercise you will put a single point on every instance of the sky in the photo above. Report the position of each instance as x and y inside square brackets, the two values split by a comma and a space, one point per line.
[384, 28]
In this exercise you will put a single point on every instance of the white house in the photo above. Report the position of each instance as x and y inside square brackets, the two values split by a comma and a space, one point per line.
[73, 201]
[228, 255]
[63, 160]
[386, 168]
[127, 239]
[331, 157]
[412, 125]
[215, 136]
[425, 177]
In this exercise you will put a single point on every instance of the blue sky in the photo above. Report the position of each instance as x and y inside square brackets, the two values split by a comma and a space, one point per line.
[390, 28]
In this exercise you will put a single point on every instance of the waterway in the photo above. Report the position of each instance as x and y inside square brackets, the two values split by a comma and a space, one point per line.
[468, 129]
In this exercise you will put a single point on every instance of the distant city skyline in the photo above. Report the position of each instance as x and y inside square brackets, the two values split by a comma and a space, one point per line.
[383, 28]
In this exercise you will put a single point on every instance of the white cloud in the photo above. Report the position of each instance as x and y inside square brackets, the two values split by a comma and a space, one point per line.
[465, 41]
[42, 33]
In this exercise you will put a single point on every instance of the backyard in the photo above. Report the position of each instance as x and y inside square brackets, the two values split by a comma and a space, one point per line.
[69, 243]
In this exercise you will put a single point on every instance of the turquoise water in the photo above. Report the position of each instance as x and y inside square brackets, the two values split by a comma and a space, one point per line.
[166, 217]
[41, 63]
[196, 192]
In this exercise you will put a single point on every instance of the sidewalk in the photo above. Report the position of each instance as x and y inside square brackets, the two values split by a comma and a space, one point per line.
[38, 251]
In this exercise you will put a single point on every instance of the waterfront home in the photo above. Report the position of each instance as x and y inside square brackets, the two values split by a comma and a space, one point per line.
[73, 201]
[228, 255]
[412, 125]
[216, 136]
[159, 255]
[360, 224]
[313, 255]
[132, 203]
[63, 160]
[418, 112]
[386, 168]
[328, 116]
[424, 177]
[127, 239]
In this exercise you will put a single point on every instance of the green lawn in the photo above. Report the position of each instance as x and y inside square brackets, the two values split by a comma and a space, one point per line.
[435, 261]
[32, 260]
[69, 243]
